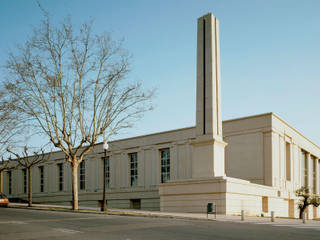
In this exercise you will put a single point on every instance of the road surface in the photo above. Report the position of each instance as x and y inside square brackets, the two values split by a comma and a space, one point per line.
[42, 224]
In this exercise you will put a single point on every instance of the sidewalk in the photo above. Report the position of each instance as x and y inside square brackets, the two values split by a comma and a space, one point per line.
[193, 216]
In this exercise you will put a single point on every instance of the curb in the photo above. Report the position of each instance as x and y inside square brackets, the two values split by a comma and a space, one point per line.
[114, 213]
[129, 214]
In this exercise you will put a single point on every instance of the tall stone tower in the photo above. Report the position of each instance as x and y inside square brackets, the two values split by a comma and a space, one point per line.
[208, 159]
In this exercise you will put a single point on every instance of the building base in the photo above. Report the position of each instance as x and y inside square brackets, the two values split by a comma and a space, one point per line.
[230, 195]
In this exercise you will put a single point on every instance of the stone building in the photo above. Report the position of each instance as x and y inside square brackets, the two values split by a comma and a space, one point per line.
[253, 163]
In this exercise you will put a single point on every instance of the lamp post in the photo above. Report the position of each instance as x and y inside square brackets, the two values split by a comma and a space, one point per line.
[104, 201]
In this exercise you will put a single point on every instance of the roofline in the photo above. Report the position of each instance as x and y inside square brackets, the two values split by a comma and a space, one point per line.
[151, 134]
[294, 129]
[279, 118]
[180, 129]
[248, 117]
[225, 121]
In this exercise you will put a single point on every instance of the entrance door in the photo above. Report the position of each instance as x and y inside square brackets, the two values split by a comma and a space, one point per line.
[291, 208]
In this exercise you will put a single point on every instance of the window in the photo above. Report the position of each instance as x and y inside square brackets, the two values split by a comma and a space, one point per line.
[288, 161]
[304, 169]
[82, 175]
[165, 165]
[107, 172]
[319, 174]
[10, 182]
[135, 203]
[133, 169]
[311, 172]
[41, 179]
[60, 176]
[24, 173]
[314, 178]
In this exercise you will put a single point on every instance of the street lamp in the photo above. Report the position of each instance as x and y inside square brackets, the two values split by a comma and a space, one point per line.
[104, 201]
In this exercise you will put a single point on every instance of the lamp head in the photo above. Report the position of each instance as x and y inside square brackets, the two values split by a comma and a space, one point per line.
[105, 145]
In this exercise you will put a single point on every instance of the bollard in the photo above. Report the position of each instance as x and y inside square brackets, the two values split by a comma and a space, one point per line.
[272, 216]
[303, 217]
[242, 215]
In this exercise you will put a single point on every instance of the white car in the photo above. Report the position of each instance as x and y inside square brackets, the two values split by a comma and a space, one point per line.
[4, 201]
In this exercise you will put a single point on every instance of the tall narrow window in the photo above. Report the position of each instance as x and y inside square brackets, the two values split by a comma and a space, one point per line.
[310, 184]
[24, 173]
[165, 165]
[288, 161]
[41, 175]
[10, 182]
[314, 178]
[304, 168]
[83, 175]
[107, 172]
[60, 176]
[319, 174]
[133, 169]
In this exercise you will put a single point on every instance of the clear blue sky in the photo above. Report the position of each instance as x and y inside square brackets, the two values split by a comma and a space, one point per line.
[270, 53]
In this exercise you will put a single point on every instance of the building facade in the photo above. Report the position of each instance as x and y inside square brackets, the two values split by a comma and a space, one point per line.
[253, 163]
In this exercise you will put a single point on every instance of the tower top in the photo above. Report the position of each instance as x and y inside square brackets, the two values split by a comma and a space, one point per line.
[207, 14]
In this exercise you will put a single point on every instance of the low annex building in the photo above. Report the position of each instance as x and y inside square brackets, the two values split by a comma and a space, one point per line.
[253, 163]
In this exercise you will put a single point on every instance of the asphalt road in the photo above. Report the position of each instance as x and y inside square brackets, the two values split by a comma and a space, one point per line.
[39, 224]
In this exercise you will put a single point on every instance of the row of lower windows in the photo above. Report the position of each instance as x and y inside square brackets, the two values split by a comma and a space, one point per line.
[133, 158]
[25, 181]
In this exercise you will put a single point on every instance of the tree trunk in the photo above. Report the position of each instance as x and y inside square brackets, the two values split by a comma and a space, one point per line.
[302, 211]
[29, 187]
[75, 202]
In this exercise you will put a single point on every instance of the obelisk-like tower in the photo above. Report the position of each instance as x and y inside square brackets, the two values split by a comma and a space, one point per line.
[208, 159]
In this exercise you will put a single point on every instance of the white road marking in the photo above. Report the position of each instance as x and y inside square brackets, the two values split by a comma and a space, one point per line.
[269, 223]
[13, 222]
[301, 226]
[65, 230]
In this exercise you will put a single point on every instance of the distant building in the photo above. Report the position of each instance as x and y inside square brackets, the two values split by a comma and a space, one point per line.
[255, 165]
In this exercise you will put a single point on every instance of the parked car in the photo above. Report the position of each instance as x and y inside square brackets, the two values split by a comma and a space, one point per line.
[4, 201]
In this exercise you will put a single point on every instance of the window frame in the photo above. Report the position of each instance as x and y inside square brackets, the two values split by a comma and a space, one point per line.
[107, 172]
[82, 175]
[9, 182]
[304, 172]
[165, 164]
[314, 174]
[41, 178]
[24, 176]
[133, 169]
[60, 177]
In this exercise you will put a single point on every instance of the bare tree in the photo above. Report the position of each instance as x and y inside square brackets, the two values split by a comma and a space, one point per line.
[28, 162]
[73, 88]
[306, 199]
